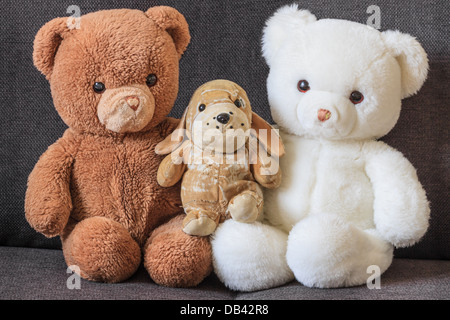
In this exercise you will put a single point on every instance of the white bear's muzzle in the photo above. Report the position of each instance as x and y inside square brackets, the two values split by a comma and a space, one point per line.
[326, 115]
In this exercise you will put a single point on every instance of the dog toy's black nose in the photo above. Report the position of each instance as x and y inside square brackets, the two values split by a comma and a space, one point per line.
[223, 118]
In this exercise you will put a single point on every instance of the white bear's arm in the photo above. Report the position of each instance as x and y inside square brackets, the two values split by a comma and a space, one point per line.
[401, 209]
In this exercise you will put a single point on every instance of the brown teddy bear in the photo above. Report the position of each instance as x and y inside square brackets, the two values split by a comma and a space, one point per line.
[215, 150]
[113, 81]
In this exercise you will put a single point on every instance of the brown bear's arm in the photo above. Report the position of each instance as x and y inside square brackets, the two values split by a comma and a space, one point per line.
[168, 126]
[48, 201]
[266, 164]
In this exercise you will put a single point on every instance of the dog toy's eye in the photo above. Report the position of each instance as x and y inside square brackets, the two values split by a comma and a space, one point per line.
[356, 97]
[99, 87]
[303, 86]
[201, 107]
[151, 80]
[238, 103]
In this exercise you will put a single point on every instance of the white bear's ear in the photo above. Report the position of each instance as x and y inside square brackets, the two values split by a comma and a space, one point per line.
[280, 26]
[411, 57]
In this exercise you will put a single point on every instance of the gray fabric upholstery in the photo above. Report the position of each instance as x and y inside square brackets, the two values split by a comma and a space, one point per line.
[41, 274]
[225, 44]
[406, 279]
[29, 273]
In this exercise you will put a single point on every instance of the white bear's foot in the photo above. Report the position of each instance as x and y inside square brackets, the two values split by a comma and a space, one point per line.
[325, 252]
[249, 257]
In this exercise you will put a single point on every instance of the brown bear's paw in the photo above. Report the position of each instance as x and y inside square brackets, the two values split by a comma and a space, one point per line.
[176, 259]
[102, 249]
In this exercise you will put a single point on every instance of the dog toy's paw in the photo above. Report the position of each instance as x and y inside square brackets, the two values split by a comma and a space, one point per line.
[244, 208]
[198, 223]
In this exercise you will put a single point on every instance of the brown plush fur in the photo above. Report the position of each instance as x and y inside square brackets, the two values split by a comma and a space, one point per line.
[97, 188]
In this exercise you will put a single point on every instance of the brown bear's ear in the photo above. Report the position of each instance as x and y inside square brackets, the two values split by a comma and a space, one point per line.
[46, 44]
[174, 23]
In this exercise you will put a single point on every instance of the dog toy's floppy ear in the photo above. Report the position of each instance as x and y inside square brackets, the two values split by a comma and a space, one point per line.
[174, 140]
[280, 26]
[411, 57]
[46, 44]
[267, 136]
[172, 21]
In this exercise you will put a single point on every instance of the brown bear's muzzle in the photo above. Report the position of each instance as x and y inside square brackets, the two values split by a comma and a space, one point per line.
[126, 109]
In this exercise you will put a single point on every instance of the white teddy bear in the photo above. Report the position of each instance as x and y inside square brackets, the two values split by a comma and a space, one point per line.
[346, 200]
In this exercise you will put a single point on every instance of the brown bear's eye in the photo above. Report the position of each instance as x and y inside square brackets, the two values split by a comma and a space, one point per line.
[99, 87]
[201, 107]
[303, 86]
[356, 97]
[238, 103]
[151, 80]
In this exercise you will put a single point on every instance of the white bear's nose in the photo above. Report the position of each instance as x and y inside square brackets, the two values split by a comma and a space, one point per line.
[323, 115]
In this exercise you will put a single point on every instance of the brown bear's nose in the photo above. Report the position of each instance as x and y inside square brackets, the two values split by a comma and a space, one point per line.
[223, 118]
[133, 102]
[323, 115]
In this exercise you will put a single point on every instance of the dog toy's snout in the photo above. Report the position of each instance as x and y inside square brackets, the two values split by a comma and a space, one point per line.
[223, 118]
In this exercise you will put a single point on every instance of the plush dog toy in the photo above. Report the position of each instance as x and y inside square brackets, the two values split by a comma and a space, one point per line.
[220, 183]
[346, 199]
[113, 81]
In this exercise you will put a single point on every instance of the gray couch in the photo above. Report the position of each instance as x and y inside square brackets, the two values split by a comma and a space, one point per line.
[225, 44]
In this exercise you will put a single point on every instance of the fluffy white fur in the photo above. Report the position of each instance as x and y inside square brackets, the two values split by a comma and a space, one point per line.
[346, 199]
[249, 257]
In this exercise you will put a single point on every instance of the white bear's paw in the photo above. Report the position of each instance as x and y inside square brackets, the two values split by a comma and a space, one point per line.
[325, 252]
[249, 257]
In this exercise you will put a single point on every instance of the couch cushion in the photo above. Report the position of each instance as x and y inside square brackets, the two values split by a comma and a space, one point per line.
[29, 273]
[406, 279]
[41, 274]
[226, 43]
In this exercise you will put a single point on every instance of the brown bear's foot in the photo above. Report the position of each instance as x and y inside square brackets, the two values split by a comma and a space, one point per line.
[176, 259]
[102, 249]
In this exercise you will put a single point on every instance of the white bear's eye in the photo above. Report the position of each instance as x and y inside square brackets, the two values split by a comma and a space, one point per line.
[356, 97]
[303, 86]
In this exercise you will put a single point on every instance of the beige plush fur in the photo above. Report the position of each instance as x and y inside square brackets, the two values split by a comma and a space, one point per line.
[213, 154]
